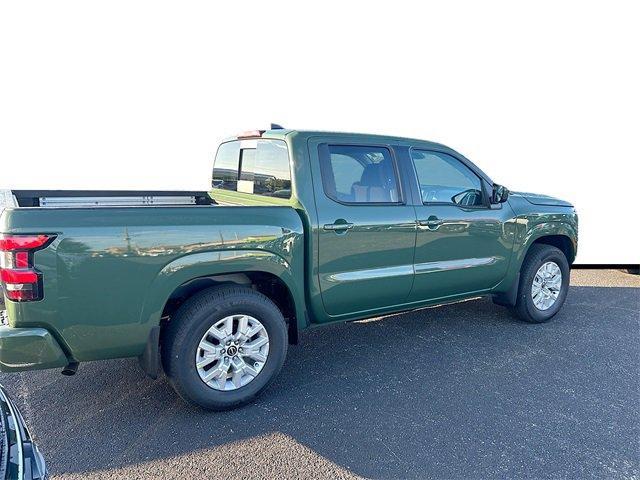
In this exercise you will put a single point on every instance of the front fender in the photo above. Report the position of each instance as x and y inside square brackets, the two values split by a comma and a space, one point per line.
[545, 229]
[204, 264]
[530, 228]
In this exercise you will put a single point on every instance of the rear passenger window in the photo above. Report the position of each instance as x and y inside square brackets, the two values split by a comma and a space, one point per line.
[445, 179]
[225, 166]
[259, 167]
[359, 174]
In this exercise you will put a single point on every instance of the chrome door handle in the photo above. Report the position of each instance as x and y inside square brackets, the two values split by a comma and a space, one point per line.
[338, 227]
[431, 222]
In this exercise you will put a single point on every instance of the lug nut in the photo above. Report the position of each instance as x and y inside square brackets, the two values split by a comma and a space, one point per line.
[240, 349]
[222, 351]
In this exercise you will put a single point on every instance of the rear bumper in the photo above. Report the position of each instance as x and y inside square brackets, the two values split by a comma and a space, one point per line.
[20, 457]
[29, 349]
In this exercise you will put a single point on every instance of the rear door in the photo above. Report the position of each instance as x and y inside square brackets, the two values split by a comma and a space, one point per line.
[367, 232]
[463, 243]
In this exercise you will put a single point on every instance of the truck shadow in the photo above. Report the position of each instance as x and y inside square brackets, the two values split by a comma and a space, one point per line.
[455, 391]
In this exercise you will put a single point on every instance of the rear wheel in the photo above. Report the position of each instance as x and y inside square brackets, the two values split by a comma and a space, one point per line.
[544, 284]
[224, 346]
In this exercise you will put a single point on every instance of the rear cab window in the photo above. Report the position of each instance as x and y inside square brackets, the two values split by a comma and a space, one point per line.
[257, 169]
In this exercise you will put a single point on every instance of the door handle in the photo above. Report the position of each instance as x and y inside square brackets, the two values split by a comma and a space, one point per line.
[338, 227]
[431, 222]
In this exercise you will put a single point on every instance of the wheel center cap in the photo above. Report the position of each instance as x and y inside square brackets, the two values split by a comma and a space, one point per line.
[232, 350]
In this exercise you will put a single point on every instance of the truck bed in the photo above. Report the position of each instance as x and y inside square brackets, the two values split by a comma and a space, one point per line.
[110, 271]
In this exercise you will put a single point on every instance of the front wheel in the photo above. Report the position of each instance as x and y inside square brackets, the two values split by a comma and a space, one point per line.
[544, 284]
[224, 346]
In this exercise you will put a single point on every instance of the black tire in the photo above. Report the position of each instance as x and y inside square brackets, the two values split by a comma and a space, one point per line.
[181, 336]
[538, 255]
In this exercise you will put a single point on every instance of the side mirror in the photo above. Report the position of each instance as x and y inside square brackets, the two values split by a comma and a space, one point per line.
[499, 194]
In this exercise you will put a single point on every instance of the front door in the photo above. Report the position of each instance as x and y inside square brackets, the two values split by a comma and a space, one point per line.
[366, 232]
[463, 243]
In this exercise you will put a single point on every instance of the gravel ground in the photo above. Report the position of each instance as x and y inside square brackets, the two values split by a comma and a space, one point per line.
[460, 391]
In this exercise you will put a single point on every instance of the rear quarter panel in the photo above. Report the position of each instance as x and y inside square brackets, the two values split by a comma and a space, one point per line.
[110, 271]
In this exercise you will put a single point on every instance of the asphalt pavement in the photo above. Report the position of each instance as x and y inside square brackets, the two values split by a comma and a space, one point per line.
[461, 391]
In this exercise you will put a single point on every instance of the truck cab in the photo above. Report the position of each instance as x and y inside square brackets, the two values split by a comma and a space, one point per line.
[393, 223]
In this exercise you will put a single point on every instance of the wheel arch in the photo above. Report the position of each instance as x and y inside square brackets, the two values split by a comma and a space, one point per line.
[557, 234]
[263, 271]
[561, 242]
[266, 283]
[561, 235]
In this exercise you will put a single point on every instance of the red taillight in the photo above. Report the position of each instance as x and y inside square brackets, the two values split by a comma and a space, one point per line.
[20, 280]
[18, 276]
[9, 243]
[21, 292]
[21, 259]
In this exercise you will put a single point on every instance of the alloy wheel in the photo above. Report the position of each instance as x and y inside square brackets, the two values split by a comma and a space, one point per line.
[546, 286]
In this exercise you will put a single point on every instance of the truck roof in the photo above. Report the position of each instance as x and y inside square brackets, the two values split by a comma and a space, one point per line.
[281, 133]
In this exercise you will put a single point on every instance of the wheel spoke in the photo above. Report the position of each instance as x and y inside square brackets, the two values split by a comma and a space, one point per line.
[228, 326]
[253, 331]
[243, 329]
[243, 324]
[257, 343]
[222, 382]
[540, 302]
[239, 369]
[209, 347]
[206, 360]
[250, 370]
[236, 379]
[238, 364]
[256, 355]
[218, 372]
[217, 334]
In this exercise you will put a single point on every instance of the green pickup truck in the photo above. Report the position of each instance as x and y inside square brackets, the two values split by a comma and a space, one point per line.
[301, 229]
